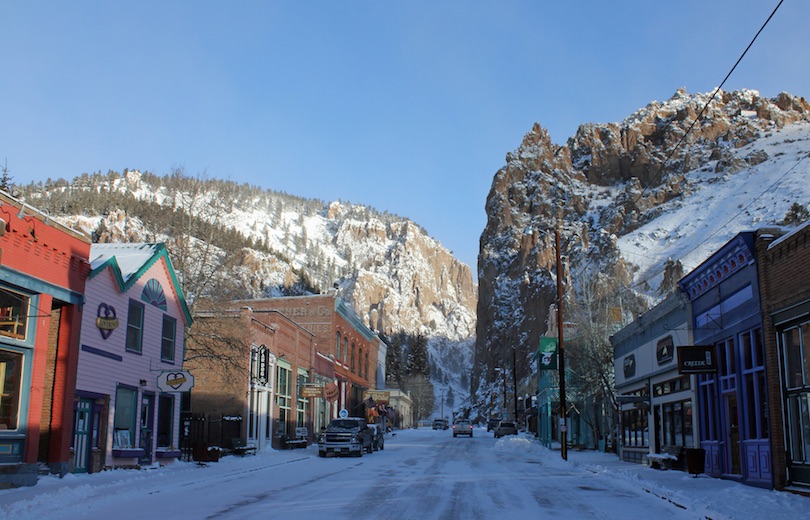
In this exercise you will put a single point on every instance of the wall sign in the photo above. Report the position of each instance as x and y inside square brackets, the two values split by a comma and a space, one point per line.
[630, 366]
[106, 320]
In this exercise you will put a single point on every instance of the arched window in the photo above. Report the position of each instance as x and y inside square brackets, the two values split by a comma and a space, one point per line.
[345, 348]
[353, 365]
[337, 345]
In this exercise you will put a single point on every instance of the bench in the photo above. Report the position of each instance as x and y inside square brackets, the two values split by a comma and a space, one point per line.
[241, 448]
[669, 456]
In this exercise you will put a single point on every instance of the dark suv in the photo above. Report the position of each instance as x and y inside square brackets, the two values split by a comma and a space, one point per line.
[492, 423]
[346, 436]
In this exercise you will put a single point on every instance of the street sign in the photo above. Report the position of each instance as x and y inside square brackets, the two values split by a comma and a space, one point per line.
[343, 413]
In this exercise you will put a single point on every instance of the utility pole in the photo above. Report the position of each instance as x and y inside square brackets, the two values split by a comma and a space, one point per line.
[560, 350]
[514, 382]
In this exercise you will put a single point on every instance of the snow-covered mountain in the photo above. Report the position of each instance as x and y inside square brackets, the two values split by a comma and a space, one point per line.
[397, 278]
[637, 204]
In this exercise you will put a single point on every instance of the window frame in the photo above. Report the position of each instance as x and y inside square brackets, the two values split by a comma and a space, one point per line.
[135, 328]
[168, 344]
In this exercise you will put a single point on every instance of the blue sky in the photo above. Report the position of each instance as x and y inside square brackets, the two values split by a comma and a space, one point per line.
[406, 106]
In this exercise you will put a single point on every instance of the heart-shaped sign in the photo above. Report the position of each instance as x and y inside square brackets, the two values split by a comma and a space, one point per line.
[176, 379]
[106, 320]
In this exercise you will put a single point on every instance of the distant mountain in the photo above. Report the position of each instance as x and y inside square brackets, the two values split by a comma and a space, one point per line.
[397, 278]
[637, 203]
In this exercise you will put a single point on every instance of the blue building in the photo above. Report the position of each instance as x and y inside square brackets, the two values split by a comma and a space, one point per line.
[732, 412]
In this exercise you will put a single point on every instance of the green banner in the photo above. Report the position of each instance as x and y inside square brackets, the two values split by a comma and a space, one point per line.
[547, 354]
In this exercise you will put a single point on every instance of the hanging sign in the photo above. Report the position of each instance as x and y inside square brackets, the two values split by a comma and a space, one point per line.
[697, 359]
[547, 354]
[175, 381]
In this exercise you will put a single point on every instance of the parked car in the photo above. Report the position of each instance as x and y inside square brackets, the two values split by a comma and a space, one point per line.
[492, 423]
[346, 436]
[462, 427]
[440, 424]
[505, 428]
[379, 437]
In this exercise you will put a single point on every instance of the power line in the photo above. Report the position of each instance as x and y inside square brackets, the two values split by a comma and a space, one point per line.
[657, 175]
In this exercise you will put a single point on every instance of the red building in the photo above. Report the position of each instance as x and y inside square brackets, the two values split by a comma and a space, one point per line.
[43, 269]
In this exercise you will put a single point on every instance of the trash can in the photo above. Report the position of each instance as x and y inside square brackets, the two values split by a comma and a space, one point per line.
[695, 461]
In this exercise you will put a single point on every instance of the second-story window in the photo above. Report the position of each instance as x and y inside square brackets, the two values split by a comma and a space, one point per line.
[167, 343]
[135, 327]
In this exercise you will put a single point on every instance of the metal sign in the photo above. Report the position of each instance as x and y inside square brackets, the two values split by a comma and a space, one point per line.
[697, 359]
[311, 391]
[547, 354]
[379, 396]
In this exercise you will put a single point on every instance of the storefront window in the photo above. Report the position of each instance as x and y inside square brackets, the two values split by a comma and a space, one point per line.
[125, 410]
[13, 313]
[303, 379]
[284, 398]
[10, 382]
[635, 428]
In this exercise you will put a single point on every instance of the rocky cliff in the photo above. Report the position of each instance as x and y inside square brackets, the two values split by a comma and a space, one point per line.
[605, 182]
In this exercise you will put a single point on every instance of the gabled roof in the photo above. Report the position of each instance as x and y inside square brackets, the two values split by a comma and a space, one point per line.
[128, 262]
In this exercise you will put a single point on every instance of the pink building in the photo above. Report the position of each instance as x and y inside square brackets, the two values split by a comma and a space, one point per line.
[130, 372]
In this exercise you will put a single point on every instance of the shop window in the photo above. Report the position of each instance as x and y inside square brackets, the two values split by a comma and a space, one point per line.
[13, 313]
[135, 327]
[125, 413]
[284, 398]
[303, 403]
[10, 382]
[168, 339]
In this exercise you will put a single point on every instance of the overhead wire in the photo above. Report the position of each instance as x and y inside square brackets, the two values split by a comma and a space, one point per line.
[683, 137]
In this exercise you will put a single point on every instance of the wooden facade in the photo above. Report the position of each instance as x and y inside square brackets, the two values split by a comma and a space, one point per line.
[132, 342]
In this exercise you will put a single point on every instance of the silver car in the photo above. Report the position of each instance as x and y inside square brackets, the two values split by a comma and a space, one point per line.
[505, 428]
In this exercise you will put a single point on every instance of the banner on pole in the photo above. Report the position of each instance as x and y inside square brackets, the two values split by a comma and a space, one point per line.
[547, 354]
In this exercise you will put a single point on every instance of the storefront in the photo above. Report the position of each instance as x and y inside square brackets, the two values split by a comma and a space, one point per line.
[655, 400]
[732, 403]
[43, 269]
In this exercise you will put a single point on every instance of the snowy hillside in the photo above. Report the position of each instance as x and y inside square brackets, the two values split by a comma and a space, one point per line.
[720, 204]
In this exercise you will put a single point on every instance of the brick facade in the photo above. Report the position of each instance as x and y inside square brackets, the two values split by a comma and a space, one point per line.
[784, 279]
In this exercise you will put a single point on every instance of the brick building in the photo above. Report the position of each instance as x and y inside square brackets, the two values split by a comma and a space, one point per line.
[784, 269]
[254, 383]
[43, 269]
[355, 352]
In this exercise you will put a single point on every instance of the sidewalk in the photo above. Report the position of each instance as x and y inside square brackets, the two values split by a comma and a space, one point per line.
[704, 494]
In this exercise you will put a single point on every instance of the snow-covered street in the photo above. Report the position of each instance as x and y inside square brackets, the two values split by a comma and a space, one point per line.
[422, 474]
